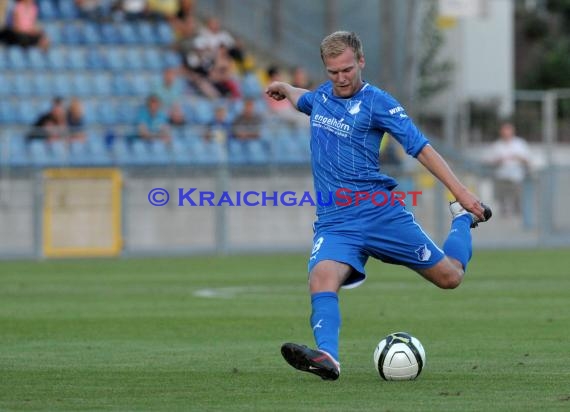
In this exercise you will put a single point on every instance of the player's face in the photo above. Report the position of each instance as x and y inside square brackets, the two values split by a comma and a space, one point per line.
[345, 71]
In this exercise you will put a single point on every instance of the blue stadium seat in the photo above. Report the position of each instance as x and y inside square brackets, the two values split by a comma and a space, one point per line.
[95, 60]
[126, 113]
[102, 85]
[115, 59]
[41, 84]
[121, 85]
[164, 34]
[127, 33]
[37, 59]
[236, 152]
[203, 110]
[146, 33]
[251, 86]
[72, 33]
[52, 31]
[134, 59]
[256, 152]
[76, 58]
[5, 87]
[25, 112]
[140, 86]
[17, 58]
[67, 10]
[81, 84]
[98, 153]
[106, 113]
[39, 154]
[56, 58]
[109, 34]
[7, 114]
[121, 154]
[61, 86]
[16, 150]
[152, 59]
[91, 35]
[58, 152]
[171, 59]
[3, 59]
[47, 10]
[159, 153]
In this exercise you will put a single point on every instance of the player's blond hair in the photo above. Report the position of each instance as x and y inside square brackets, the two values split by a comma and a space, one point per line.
[336, 43]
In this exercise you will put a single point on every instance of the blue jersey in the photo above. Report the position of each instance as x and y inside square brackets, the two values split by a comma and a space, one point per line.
[345, 141]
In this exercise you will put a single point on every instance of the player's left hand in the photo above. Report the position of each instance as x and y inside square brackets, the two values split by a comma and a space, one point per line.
[471, 203]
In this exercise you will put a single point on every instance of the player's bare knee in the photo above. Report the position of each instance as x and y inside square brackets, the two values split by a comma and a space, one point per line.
[449, 279]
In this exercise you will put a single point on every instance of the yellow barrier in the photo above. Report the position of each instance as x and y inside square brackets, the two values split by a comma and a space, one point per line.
[82, 212]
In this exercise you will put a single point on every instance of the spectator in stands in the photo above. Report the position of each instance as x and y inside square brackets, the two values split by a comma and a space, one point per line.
[283, 109]
[162, 9]
[223, 77]
[300, 78]
[247, 125]
[76, 120]
[24, 30]
[176, 116]
[171, 90]
[510, 155]
[152, 121]
[185, 30]
[212, 37]
[3, 13]
[52, 125]
[97, 10]
[131, 9]
[219, 129]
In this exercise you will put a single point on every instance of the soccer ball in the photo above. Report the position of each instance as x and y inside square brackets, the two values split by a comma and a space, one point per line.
[399, 357]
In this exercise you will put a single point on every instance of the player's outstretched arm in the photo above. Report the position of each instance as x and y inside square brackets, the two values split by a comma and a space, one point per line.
[433, 161]
[282, 90]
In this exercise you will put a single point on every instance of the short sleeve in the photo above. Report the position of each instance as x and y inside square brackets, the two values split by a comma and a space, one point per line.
[391, 117]
[305, 103]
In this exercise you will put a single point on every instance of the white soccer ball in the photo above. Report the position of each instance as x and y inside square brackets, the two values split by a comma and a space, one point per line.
[399, 356]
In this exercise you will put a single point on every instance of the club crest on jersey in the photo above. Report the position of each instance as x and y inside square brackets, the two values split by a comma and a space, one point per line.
[354, 106]
[423, 253]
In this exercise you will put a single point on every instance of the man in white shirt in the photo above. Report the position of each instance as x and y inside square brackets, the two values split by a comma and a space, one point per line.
[511, 157]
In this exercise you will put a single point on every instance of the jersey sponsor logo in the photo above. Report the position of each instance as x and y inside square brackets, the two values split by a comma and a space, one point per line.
[423, 253]
[354, 106]
[331, 124]
[396, 110]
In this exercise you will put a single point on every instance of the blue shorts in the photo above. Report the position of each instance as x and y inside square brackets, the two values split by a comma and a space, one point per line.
[390, 235]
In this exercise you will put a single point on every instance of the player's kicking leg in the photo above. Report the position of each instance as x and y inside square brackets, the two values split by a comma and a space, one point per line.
[448, 273]
[306, 359]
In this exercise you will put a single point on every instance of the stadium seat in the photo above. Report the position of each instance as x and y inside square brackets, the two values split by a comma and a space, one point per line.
[72, 33]
[159, 153]
[47, 10]
[102, 85]
[67, 10]
[5, 87]
[97, 150]
[41, 84]
[3, 59]
[153, 59]
[115, 59]
[17, 58]
[203, 110]
[164, 34]
[39, 154]
[61, 86]
[127, 33]
[109, 34]
[146, 33]
[171, 59]
[59, 152]
[25, 112]
[236, 152]
[7, 114]
[37, 59]
[52, 31]
[16, 150]
[140, 86]
[76, 59]
[134, 60]
[255, 152]
[90, 34]
[94, 59]
[56, 59]
[106, 113]
[81, 84]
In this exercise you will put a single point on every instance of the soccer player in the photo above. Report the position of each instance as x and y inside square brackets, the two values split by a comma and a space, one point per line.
[348, 118]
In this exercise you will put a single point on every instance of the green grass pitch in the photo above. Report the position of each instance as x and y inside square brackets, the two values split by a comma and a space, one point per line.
[204, 334]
